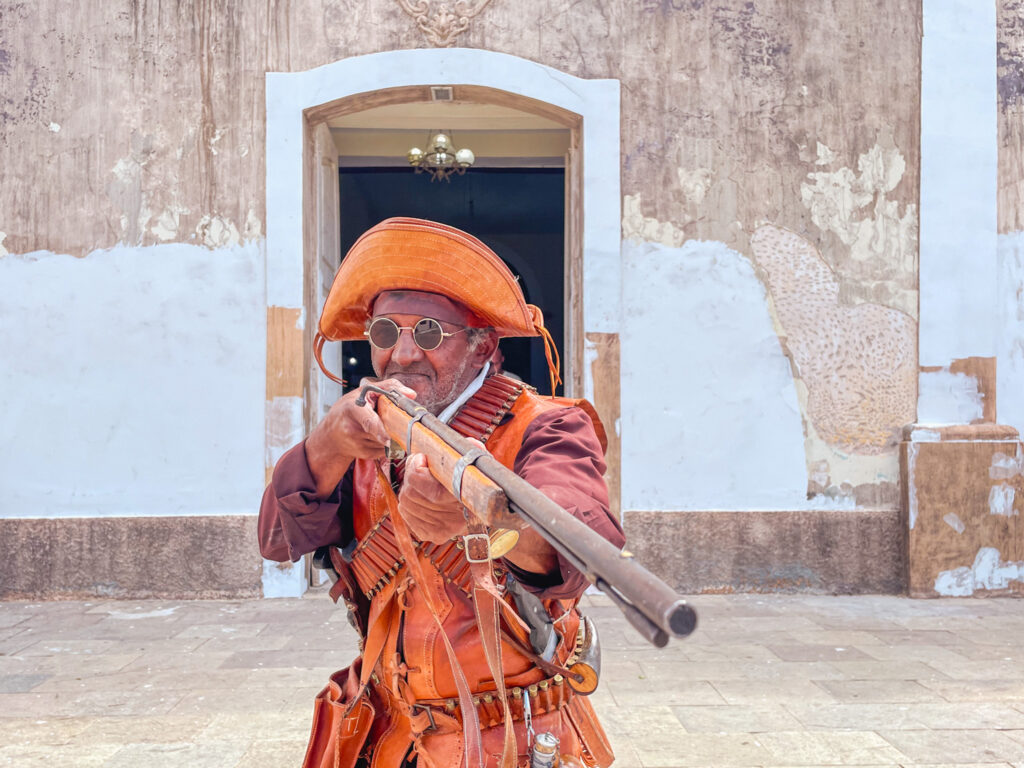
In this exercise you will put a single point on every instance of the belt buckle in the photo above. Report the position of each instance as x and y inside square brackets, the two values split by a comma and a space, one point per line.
[430, 715]
[477, 539]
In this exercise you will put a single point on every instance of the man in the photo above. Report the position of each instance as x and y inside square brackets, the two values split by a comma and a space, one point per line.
[449, 676]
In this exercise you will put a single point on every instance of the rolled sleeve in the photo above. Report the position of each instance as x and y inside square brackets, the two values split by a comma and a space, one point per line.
[293, 520]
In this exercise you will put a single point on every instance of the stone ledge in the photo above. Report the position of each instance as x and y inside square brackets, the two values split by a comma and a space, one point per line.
[847, 551]
[129, 557]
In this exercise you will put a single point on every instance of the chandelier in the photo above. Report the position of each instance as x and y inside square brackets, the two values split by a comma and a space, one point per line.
[440, 160]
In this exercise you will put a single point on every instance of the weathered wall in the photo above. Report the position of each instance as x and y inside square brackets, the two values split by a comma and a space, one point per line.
[1010, 84]
[770, 182]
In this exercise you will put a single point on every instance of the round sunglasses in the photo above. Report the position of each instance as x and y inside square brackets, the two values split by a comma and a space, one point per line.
[428, 334]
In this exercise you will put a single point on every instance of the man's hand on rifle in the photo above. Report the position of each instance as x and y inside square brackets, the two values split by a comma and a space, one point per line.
[348, 432]
[428, 508]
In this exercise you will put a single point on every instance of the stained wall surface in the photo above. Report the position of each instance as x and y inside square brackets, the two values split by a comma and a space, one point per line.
[770, 158]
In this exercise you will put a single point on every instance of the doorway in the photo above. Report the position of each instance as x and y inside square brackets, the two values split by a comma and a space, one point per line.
[518, 212]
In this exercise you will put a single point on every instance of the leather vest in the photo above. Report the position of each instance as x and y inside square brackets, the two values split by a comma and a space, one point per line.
[414, 659]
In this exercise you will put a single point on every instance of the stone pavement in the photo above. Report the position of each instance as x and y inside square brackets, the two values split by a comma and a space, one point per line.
[767, 680]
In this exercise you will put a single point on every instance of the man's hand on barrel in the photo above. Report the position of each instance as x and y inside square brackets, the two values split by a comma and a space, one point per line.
[429, 509]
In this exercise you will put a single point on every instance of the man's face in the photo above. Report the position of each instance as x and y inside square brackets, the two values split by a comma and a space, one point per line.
[437, 375]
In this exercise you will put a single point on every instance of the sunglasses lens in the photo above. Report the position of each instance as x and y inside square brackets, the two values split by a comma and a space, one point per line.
[383, 333]
[428, 334]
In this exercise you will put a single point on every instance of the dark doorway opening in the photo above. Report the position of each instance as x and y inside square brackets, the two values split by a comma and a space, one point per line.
[518, 212]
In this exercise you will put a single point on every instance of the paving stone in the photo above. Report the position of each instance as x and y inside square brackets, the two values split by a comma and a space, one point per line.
[737, 719]
[213, 754]
[817, 653]
[877, 690]
[20, 731]
[977, 690]
[142, 730]
[838, 748]
[21, 683]
[276, 754]
[739, 670]
[910, 716]
[886, 670]
[936, 746]
[771, 691]
[53, 755]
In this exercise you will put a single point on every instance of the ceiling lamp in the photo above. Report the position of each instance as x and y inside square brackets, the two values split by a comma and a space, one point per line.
[440, 160]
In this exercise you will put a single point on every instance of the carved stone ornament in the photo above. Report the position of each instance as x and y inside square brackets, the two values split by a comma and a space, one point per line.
[448, 21]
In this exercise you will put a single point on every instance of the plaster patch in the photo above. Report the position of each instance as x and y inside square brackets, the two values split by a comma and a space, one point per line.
[285, 426]
[721, 373]
[912, 450]
[1004, 467]
[1000, 500]
[918, 435]
[133, 382]
[989, 571]
[1010, 319]
[858, 362]
[948, 398]
[636, 226]
[952, 519]
[217, 232]
[882, 242]
[695, 184]
[283, 579]
[126, 190]
[253, 229]
[167, 223]
[54, 127]
[3, 251]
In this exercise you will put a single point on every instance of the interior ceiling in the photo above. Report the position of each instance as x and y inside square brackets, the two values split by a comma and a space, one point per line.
[498, 135]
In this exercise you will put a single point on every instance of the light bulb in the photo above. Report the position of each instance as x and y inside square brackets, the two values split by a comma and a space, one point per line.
[465, 158]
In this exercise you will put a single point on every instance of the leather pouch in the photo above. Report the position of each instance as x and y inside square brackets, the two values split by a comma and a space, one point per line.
[596, 749]
[337, 737]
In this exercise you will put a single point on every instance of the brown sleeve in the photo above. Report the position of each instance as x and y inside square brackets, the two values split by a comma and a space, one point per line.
[293, 520]
[561, 456]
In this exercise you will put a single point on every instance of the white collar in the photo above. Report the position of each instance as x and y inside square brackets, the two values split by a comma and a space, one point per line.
[446, 415]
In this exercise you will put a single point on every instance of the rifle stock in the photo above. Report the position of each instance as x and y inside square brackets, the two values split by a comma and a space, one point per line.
[502, 499]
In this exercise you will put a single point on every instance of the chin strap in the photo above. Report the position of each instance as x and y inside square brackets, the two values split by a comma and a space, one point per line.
[318, 349]
[551, 353]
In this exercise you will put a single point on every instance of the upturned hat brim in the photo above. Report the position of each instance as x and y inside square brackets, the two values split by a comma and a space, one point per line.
[418, 255]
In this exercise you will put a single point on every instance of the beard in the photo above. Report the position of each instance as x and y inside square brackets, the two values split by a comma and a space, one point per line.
[435, 390]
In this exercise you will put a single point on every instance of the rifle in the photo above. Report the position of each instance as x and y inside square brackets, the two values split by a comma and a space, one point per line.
[502, 499]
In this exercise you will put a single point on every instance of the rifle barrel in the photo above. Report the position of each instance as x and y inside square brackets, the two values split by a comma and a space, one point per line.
[649, 604]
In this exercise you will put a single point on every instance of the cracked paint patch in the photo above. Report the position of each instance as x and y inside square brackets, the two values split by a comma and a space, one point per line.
[882, 242]
[989, 572]
[952, 519]
[284, 426]
[948, 398]
[636, 226]
[1000, 500]
[858, 362]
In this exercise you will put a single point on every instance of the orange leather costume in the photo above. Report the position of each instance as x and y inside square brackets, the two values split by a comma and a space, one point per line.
[447, 676]
[412, 700]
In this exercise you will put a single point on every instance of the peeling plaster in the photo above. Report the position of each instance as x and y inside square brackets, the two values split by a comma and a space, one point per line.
[1005, 467]
[1000, 500]
[1010, 319]
[216, 232]
[133, 383]
[636, 226]
[948, 398]
[3, 251]
[285, 426]
[952, 519]
[167, 223]
[882, 242]
[912, 450]
[989, 571]
[283, 579]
